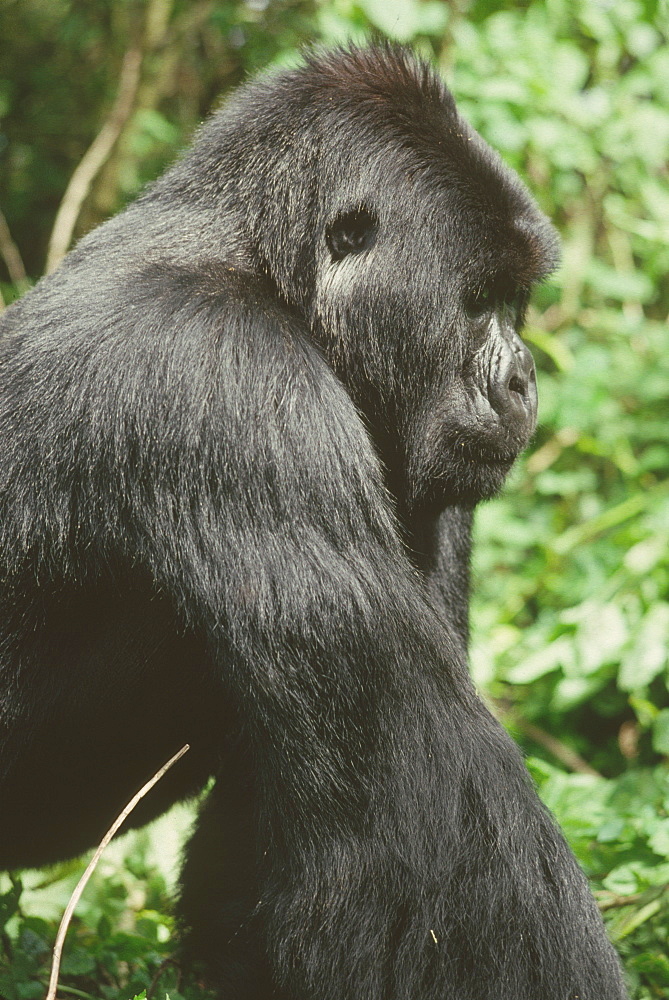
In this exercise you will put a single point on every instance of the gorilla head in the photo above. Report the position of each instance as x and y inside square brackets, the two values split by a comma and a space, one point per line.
[383, 218]
[425, 255]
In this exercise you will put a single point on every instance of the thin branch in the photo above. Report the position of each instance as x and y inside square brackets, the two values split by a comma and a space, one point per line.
[559, 750]
[92, 864]
[12, 257]
[94, 159]
[77, 993]
[563, 753]
[610, 900]
[158, 974]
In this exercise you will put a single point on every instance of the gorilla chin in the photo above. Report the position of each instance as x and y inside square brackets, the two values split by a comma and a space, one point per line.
[475, 477]
[476, 466]
[466, 477]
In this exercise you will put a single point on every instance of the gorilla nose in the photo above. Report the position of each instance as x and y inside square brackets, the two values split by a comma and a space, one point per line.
[513, 389]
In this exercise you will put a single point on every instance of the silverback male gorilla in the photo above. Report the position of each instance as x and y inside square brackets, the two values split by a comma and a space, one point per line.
[231, 423]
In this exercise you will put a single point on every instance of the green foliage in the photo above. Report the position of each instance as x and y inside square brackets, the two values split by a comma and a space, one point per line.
[571, 608]
[619, 829]
[120, 942]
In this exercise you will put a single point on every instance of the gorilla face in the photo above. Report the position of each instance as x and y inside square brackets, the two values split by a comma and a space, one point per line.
[421, 291]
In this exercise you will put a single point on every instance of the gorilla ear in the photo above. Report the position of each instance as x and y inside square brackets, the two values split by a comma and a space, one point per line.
[351, 232]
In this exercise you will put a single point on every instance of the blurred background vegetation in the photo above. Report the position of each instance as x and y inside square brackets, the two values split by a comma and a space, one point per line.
[571, 608]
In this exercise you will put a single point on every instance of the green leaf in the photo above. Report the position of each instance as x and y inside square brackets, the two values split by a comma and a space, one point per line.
[622, 880]
[661, 732]
[9, 902]
[659, 839]
[637, 918]
[653, 965]
[610, 831]
[553, 656]
[600, 636]
[156, 126]
[648, 655]
[29, 991]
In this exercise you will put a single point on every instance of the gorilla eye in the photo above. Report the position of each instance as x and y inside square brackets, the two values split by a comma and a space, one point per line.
[351, 233]
[480, 302]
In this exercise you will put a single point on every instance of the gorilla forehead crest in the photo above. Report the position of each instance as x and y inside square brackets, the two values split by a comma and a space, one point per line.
[411, 111]
[372, 123]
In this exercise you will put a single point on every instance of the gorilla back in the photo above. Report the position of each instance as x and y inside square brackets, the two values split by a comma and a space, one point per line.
[231, 422]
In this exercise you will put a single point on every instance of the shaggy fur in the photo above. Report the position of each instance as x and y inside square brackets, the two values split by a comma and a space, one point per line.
[236, 424]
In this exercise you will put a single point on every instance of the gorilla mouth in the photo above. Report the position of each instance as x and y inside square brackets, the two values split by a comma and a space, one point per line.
[499, 458]
[468, 463]
[467, 471]
[485, 452]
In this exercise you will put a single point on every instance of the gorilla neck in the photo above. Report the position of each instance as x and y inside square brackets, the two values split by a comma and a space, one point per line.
[439, 544]
[436, 531]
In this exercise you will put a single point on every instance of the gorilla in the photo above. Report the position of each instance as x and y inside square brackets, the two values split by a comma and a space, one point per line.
[243, 429]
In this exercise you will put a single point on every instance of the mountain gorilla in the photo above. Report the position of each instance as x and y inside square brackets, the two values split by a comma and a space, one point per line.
[233, 425]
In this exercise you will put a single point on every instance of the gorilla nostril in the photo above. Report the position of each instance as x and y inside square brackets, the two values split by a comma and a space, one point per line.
[516, 384]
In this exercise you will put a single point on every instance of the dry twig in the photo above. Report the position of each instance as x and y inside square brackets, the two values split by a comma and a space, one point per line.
[94, 159]
[563, 753]
[611, 900]
[92, 864]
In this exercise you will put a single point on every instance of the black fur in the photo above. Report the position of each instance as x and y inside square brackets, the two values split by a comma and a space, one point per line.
[238, 424]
